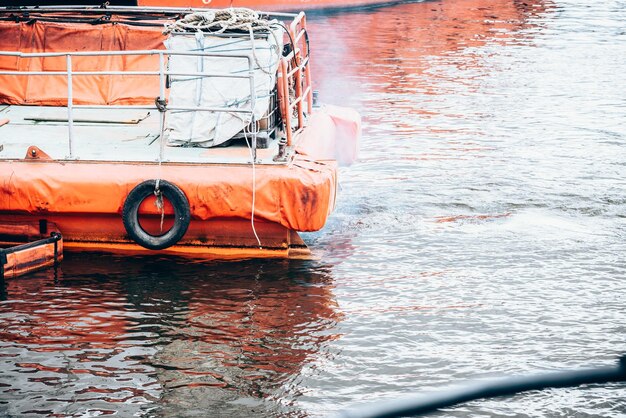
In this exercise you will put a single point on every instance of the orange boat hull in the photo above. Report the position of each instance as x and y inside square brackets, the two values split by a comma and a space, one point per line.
[217, 238]
[85, 201]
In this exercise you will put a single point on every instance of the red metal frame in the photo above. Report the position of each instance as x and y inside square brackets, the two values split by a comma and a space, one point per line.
[295, 69]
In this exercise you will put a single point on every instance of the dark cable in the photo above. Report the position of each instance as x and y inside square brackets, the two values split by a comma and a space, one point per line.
[424, 404]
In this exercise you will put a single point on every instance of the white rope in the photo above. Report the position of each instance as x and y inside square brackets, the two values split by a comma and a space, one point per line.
[218, 21]
[234, 19]
[254, 132]
[157, 191]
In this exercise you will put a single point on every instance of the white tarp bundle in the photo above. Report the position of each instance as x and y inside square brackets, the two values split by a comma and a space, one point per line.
[209, 129]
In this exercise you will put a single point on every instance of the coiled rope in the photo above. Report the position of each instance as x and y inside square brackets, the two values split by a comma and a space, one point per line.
[231, 19]
[219, 21]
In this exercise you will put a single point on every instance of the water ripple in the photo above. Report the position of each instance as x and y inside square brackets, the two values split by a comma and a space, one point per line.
[482, 232]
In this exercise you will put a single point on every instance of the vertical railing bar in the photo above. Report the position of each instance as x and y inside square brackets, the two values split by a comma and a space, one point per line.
[162, 103]
[252, 104]
[309, 101]
[280, 101]
[299, 98]
[70, 103]
[252, 87]
[287, 105]
[307, 70]
[161, 76]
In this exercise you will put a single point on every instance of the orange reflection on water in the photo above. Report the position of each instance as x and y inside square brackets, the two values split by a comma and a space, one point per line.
[392, 49]
[56, 321]
[186, 334]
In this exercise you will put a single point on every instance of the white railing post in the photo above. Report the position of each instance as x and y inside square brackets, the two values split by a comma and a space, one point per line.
[252, 105]
[161, 102]
[70, 103]
[161, 76]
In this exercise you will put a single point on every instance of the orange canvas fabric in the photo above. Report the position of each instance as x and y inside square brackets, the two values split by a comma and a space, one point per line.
[49, 90]
[299, 197]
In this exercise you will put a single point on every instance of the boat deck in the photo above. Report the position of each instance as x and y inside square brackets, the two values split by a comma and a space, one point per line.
[116, 135]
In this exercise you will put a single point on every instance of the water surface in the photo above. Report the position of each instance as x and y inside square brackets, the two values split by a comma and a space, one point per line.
[482, 232]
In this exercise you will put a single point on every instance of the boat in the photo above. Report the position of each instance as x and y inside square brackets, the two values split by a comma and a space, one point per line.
[275, 5]
[167, 131]
[278, 5]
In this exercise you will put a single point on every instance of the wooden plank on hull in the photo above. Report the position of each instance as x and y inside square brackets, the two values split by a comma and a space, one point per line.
[21, 259]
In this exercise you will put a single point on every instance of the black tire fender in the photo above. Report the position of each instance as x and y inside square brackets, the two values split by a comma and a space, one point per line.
[130, 214]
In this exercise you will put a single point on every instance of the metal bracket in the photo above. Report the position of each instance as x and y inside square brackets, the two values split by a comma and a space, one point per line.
[34, 153]
[161, 104]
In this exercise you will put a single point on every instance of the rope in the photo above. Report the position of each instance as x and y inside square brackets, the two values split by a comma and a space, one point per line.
[162, 107]
[254, 131]
[219, 21]
[243, 20]
[232, 19]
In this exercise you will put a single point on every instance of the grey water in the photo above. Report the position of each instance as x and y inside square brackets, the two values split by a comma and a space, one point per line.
[482, 233]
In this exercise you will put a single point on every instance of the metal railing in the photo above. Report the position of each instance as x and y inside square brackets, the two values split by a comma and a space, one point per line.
[162, 73]
[99, 9]
[295, 70]
[293, 89]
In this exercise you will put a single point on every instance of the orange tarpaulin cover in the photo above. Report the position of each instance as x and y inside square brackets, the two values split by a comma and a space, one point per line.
[299, 197]
[37, 37]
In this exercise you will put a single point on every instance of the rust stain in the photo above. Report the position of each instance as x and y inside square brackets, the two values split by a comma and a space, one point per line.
[35, 153]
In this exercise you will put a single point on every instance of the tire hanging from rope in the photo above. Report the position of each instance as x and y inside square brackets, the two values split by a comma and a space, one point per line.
[159, 188]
